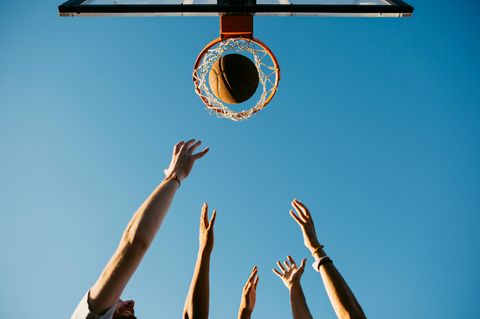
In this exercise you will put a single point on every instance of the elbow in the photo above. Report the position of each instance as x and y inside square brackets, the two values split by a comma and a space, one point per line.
[135, 242]
[135, 236]
[140, 244]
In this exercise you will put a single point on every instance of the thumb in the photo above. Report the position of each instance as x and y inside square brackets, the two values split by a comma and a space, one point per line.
[302, 265]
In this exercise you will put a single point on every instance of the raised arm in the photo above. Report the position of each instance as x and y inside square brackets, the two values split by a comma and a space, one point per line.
[198, 297]
[291, 275]
[341, 297]
[249, 295]
[141, 230]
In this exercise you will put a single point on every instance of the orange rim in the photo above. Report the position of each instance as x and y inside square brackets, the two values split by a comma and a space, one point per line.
[241, 114]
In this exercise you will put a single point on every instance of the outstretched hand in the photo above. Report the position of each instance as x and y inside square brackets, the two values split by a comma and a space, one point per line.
[289, 272]
[249, 294]
[206, 229]
[305, 221]
[183, 159]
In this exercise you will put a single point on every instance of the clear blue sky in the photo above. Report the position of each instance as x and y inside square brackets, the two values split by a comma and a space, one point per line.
[376, 127]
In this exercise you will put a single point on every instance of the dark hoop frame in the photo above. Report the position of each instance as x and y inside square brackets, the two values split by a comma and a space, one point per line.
[76, 8]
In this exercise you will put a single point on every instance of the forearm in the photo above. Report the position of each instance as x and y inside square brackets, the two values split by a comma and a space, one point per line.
[146, 221]
[244, 314]
[298, 302]
[341, 297]
[197, 302]
[133, 245]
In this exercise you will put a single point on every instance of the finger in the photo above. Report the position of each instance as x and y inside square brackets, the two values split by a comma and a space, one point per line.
[248, 287]
[181, 148]
[200, 154]
[300, 210]
[252, 274]
[189, 143]
[304, 208]
[177, 146]
[277, 273]
[192, 148]
[307, 211]
[290, 259]
[279, 264]
[300, 221]
[212, 220]
[203, 217]
[255, 283]
[254, 278]
[249, 280]
[287, 265]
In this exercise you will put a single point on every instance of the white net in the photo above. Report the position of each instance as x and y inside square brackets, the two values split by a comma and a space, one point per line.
[268, 72]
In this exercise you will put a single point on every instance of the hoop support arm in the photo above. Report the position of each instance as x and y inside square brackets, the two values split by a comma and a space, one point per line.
[236, 26]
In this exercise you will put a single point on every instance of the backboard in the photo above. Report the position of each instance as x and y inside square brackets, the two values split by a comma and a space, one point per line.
[236, 34]
[348, 8]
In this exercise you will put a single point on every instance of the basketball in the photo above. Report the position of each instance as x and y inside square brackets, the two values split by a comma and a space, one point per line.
[233, 78]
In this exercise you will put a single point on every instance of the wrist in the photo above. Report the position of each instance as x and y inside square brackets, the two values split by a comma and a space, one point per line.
[295, 284]
[172, 178]
[313, 244]
[317, 251]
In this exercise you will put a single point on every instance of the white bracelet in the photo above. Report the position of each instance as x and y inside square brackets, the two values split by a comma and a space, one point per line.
[322, 261]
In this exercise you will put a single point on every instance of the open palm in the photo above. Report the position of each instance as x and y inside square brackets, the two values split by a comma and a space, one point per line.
[289, 272]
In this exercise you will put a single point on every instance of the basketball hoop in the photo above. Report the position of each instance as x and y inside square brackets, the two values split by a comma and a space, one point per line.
[236, 37]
